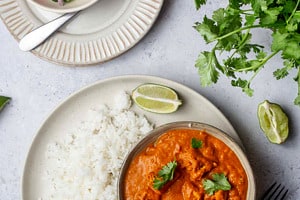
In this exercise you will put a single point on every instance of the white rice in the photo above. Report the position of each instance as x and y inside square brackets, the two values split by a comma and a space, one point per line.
[87, 161]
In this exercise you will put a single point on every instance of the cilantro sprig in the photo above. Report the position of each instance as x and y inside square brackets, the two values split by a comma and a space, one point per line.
[165, 175]
[230, 31]
[218, 182]
[196, 144]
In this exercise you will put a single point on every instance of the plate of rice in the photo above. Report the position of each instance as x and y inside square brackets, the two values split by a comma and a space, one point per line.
[79, 149]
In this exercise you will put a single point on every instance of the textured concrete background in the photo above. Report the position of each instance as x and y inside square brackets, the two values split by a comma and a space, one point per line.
[169, 51]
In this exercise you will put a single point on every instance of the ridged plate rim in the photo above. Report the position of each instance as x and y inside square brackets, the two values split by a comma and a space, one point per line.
[65, 49]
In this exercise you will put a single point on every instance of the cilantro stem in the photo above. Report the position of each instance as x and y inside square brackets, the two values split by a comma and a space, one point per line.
[236, 31]
[253, 76]
[244, 40]
[260, 63]
[246, 12]
[298, 81]
[259, 67]
[219, 66]
[295, 9]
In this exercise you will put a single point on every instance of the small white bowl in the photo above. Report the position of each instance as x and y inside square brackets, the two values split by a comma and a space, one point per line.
[73, 6]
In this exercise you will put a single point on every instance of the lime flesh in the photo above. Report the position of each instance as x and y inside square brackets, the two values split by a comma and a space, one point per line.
[156, 98]
[273, 121]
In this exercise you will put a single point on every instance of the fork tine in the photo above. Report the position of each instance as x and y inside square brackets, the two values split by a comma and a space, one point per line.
[268, 190]
[277, 196]
[275, 192]
[283, 196]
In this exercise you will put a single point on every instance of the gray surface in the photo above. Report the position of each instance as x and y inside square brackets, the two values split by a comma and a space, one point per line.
[168, 51]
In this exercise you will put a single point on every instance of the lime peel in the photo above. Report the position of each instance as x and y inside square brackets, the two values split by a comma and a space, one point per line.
[156, 98]
[273, 121]
[272, 118]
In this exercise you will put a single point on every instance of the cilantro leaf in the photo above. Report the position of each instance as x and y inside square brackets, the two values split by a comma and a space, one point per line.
[288, 6]
[218, 182]
[270, 15]
[279, 41]
[196, 144]
[3, 101]
[165, 175]
[244, 84]
[297, 79]
[207, 29]
[198, 3]
[297, 100]
[207, 68]
[283, 72]
[250, 19]
[292, 50]
[259, 5]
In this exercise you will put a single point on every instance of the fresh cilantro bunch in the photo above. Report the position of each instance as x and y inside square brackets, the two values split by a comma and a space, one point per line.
[229, 29]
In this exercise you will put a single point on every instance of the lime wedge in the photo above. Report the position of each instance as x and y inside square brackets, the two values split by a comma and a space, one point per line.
[156, 98]
[273, 121]
[3, 101]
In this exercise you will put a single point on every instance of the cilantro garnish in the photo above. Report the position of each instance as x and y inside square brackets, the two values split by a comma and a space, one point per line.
[196, 144]
[164, 175]
[229, 29]
[219, 182]
[3, 101]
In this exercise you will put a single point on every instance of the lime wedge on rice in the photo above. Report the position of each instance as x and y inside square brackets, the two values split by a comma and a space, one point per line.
[273, 121]
[156, 98]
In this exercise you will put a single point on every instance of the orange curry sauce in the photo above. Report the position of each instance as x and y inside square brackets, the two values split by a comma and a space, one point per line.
[194, 166]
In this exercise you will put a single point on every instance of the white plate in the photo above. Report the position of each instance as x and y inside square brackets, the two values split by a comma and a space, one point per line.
[97, 34]
[73, 110]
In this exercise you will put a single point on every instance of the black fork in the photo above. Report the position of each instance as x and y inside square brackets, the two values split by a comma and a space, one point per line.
[275, 192]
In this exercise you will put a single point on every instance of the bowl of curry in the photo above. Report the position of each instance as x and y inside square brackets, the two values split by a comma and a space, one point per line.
[186, 161]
